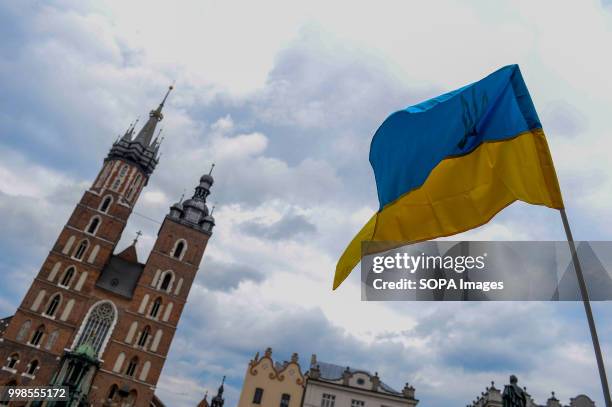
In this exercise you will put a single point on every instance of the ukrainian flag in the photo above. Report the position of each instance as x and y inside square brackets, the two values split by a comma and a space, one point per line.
[453, 162]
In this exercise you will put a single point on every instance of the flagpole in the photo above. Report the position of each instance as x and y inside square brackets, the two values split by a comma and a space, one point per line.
[587, 308]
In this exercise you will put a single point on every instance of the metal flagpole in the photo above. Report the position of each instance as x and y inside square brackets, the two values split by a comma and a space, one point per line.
[587, 308]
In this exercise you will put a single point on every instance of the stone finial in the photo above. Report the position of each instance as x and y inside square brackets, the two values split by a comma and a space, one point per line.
[553, 401]
[294, 357]
[315, 372]
[346, 375]
[408, 391]
[313, 359]
[256, 357]
[268, 353]
[375, 381]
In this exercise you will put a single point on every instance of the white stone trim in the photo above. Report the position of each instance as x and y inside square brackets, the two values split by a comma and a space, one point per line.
[67, 310]
[81, 281]
[93, 254]
[68, 245]
[167, 312]
[54, 271]
[156, 340]
[39, 298]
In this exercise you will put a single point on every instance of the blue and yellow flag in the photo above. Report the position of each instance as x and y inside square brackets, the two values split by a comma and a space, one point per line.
[451, 163]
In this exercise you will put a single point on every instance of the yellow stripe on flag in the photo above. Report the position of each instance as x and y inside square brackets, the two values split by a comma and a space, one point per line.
[462, 193]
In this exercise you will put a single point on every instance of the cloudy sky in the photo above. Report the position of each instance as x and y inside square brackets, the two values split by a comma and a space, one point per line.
[284, 98]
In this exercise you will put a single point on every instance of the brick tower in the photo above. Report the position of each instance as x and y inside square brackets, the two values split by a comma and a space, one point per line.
[102, 323]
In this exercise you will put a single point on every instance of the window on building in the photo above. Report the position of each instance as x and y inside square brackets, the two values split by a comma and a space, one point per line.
[52, 306]
[92, 228]
[106, 203]
[258, 395]
[67, 277]
[112, 391]
[155, 307]
[178, 249]
[285, 398]
[131, 369]
[357, 403]
[80, 250]
[119, 178]
[328, 400]
[142, 341]
[98, 326]
[32, 368]
[38, 335]
[103, 175]
[165, 284]
[133, 187]
[12, 361]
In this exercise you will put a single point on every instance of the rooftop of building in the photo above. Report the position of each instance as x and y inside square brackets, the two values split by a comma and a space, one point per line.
[333, 372]
[121, 273]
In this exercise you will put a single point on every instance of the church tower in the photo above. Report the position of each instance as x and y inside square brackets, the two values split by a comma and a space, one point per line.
[102, 323]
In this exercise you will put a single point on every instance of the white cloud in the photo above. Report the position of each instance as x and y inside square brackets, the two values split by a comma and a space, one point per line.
[284, 99]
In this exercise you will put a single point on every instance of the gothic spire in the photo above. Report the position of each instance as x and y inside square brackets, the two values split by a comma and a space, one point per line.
[146, 133]
[218, 400]
[130, 131]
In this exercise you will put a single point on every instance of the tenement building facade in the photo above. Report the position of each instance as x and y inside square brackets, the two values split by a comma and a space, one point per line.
[275, 384]
[102, 323]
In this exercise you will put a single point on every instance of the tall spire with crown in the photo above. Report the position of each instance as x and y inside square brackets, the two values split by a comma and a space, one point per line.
[145, 135]
[142, 150]
[218, 400]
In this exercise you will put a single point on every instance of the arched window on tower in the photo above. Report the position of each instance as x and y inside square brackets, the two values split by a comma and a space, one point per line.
[133, 187]
[80, 250]
[119, 179]
[112, 391]
[54, 302]
[32, 367]
[106, 203]
[94, 223]
[131, 368]
[67, 277]
[97, 327]
[103, 175]
[142, 341]
[166, 280]
[155, 307]
[179, 249]
[38, 335]
[12, 361]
